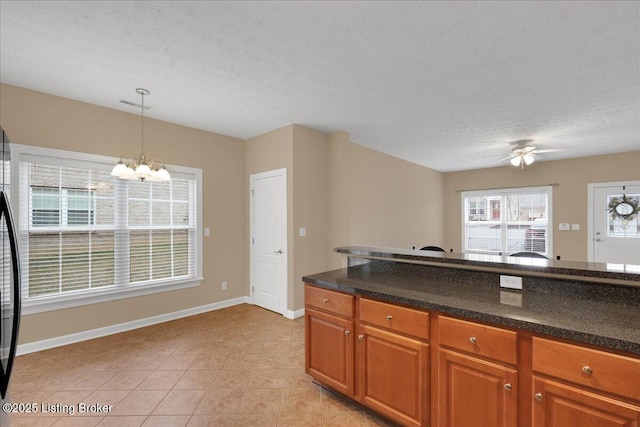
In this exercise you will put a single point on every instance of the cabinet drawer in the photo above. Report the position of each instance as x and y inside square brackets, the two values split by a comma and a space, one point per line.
[487, 341]
[334, 302]
[593, 368]
[395, 318]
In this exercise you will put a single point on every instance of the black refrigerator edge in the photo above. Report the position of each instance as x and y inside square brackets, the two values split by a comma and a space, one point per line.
[9, 274]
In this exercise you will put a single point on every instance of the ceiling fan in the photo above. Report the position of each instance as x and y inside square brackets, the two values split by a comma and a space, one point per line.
[524, 154]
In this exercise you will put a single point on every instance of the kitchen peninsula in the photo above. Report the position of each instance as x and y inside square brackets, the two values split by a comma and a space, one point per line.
[429, 338]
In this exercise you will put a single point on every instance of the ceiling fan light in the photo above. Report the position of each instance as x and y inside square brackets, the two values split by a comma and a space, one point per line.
[516, 161]
[528, 159]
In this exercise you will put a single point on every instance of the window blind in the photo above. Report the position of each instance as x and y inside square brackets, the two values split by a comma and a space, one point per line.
[5, 248]
[84, 231]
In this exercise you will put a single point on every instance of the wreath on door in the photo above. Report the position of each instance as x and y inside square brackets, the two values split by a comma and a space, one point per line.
[625, 207]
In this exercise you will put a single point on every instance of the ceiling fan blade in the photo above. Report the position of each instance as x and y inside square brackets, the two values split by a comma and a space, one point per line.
[505, 158]
[550, 150]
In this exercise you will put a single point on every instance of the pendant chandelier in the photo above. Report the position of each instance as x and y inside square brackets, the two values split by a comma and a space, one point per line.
[145, 170]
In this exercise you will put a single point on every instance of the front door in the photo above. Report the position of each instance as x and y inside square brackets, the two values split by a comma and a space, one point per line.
[269, 240]
[615, 229]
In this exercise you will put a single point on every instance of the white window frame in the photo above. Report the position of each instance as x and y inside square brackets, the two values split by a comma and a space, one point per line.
[504, 192]
[26, 153]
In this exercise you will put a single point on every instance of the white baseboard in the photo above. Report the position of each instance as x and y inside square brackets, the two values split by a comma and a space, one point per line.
[294, 314]
[122, 327]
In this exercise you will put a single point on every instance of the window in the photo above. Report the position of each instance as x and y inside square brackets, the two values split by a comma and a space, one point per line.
[61, 206]
[618, 226]
[476, 208]
[517, 220]
[86, 236]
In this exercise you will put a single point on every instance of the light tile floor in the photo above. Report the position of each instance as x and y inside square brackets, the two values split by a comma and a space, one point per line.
[239, 366]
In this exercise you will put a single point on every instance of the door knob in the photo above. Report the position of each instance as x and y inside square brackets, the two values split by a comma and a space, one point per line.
[538, 397]
[279, 251]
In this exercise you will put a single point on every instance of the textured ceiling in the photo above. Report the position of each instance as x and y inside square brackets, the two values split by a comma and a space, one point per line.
[442, 84]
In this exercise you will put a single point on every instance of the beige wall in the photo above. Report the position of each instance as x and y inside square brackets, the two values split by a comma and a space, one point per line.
[34, 118]
[379, 200]
[310, 208]
[345, 194]
[569, 198]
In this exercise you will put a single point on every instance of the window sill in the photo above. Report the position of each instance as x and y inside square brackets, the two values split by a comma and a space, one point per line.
[39, 305]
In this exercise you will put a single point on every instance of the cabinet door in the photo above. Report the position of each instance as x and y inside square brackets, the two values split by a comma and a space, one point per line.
[560, 405]
[329, 350]
[394, 375]
[474, 392]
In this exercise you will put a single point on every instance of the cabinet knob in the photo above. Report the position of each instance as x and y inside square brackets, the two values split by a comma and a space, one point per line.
[361, 337]
[325, 300]
[389, 317]
[508, 387]
[347, 332]
[587, 370]
[473, 340]
[538, 397]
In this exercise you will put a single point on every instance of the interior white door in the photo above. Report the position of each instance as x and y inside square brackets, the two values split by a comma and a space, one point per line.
[615, 240]
[269, 240]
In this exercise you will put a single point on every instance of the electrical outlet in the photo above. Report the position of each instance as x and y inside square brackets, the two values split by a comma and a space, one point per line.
[224, 286]
[511, 282]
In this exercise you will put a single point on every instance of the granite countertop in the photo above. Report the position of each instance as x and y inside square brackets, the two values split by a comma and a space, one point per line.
[571, 270]
[603, 315]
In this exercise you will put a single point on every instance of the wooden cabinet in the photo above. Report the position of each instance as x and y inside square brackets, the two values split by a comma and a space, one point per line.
[559, 405]
[480, 340]
[331, 301]
[406, 321]
[566, 399]
[393, 369]
[473, 390]
[329, 336]
[404, 363]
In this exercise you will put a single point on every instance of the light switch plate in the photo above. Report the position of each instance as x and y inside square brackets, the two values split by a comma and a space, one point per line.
[510, 282]
[575, 227]
[302, 232]
[564, 226]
